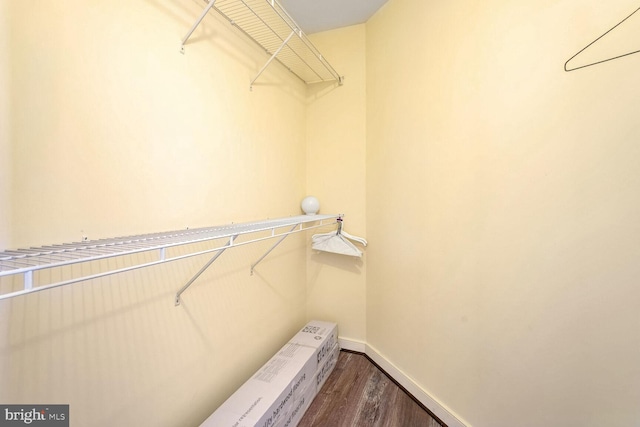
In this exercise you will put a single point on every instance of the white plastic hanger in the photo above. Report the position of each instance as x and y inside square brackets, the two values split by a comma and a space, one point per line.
[337, 242]
[343, 232]
[360, 240]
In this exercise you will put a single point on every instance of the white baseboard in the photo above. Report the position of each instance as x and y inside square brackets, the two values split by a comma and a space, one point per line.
[438, 409]
[352, 345]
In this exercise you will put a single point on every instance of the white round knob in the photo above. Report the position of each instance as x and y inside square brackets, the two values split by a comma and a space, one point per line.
[310, 205]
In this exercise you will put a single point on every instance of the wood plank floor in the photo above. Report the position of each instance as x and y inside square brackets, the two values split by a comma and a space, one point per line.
[358, 393]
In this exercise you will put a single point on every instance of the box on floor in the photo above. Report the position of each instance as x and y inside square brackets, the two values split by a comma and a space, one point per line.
[284, 387]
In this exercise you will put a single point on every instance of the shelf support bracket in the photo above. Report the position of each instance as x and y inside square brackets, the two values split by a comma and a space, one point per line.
[273, 247]
[264, 67]
[202, 270]
[195, 25]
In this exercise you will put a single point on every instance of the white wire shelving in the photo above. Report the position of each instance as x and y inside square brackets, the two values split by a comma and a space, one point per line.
[269, 25]
[26, 262]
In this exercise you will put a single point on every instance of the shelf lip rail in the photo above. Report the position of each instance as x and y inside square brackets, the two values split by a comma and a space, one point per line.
[271, 27]
[27, 261]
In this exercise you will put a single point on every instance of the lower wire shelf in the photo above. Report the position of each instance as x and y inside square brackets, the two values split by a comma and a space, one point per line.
[26, 262]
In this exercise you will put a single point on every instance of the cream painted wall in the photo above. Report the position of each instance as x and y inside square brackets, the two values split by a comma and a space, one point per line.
[501, 196]
[5, 150]
[336, 142]
[5, 132]
[502, 204]
[104, 104]
[115, 132]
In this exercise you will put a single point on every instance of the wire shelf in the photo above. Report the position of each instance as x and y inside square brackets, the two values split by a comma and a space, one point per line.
[269, 25]
[27, 261]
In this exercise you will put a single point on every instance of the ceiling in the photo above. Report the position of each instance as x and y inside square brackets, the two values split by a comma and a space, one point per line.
[320, 15]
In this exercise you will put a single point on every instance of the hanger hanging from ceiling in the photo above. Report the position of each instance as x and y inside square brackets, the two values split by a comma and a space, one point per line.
[593, 42]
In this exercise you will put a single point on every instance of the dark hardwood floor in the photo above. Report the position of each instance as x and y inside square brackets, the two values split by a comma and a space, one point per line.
[358, 393]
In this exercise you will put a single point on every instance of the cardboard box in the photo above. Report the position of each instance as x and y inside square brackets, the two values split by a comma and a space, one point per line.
[322, 336]
[222, 417]
[280, 392]
[304, 397]
[300, 406]
[327, 367]
[268, 395]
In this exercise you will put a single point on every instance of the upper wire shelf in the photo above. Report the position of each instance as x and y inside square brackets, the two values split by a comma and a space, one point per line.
[27, 261]
[269, 25]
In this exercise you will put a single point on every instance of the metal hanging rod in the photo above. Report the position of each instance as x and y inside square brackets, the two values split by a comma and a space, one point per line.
[269, 25]
[27, 261]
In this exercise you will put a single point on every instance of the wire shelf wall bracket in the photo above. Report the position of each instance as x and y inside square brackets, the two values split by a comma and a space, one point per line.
[269, 25]
[204, 268]
[26, 262]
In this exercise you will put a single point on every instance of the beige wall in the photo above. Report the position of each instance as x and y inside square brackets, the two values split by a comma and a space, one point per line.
[5, 130]
[103, 104]
[115, 132]
[502, 204]
[336, 142]
[501, 196]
